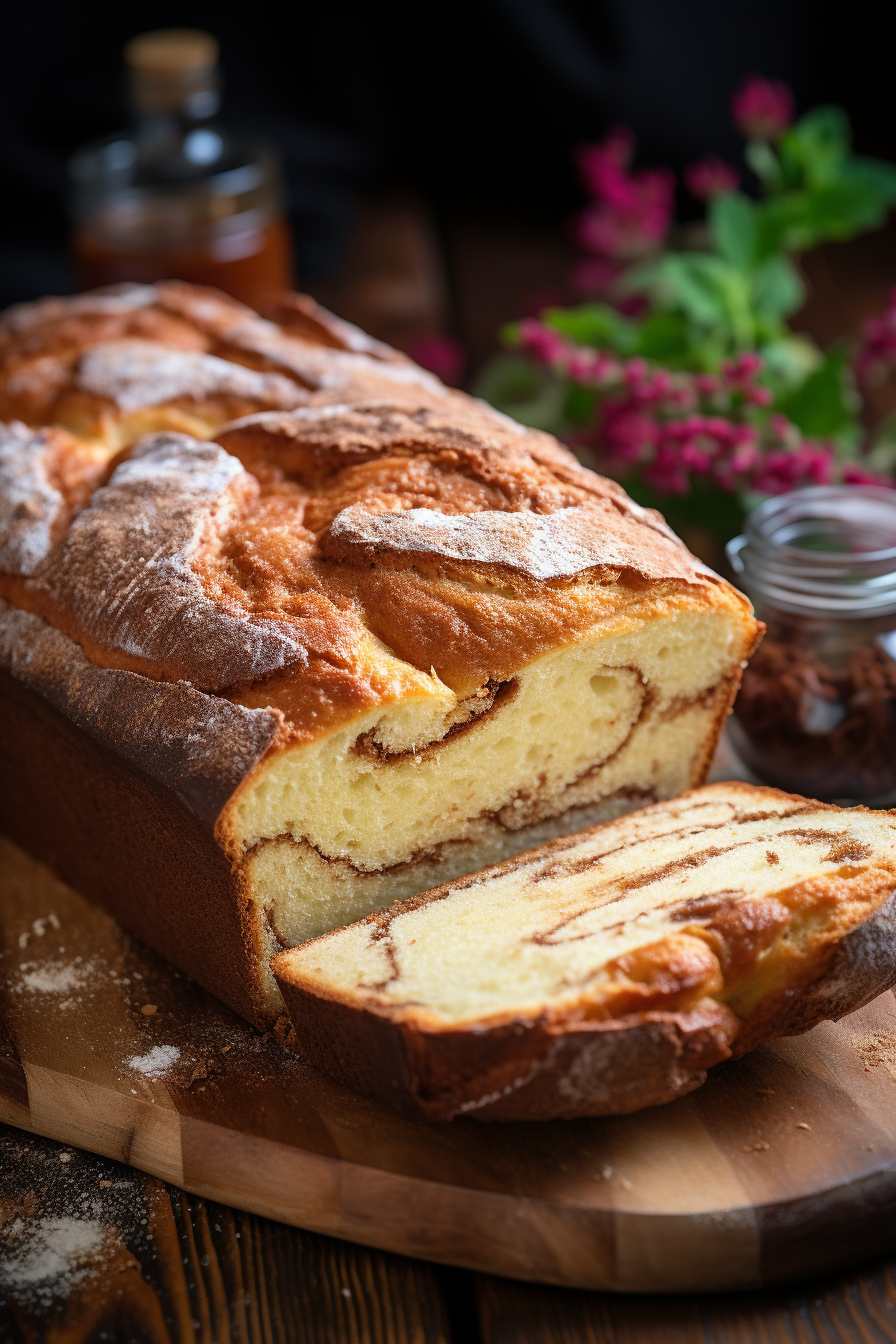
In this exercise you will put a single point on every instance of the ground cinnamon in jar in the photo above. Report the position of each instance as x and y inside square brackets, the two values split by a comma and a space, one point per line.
[816, 713]
[823, 730]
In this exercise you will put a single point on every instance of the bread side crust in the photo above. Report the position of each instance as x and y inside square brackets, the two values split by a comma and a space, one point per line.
[523, 1071]
[133, 847]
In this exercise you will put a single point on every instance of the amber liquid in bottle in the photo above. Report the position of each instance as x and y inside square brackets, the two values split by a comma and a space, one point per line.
[178, 198]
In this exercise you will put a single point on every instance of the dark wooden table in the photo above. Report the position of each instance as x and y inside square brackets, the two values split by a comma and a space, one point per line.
[94, 1251]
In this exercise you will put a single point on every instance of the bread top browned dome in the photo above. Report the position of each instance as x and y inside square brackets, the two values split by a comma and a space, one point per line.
[376, 536]
[115, 363]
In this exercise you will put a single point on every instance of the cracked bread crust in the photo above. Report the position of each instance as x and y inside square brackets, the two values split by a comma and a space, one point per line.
[723, 971]
[361, 551]
[100, 363]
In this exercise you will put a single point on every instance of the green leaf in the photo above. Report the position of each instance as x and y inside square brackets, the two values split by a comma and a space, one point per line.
[683, 283]
[872, 174]
[777, 289]
[713, 293]
[788, 362]
[826, 403]
[765, 164]
[882, 457]
[579, 404]
[594, 324]
[664, 337]
[816, 146]
[799, 220]
[732, 222]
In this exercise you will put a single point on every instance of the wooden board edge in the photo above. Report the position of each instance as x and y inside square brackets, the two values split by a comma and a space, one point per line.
[511, 1236]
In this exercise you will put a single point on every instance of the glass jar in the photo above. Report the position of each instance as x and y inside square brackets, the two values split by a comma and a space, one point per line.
[178, 197]
[816, 713]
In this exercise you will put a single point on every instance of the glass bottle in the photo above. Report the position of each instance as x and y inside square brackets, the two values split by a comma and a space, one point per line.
[816, 713]
[178, 197]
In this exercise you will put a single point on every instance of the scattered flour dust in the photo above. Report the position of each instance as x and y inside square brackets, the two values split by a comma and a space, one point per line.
[156, 1062]
[54, 977]
[50, 1256]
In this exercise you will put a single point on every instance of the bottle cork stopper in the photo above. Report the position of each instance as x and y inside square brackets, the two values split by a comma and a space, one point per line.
[172, 51]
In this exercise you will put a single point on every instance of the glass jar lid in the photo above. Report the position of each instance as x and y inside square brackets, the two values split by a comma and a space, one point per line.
[826, 549]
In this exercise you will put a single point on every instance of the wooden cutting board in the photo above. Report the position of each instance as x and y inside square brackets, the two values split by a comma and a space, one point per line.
[783, 1165]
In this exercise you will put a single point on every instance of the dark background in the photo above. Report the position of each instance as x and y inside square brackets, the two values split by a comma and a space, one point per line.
[463, 115]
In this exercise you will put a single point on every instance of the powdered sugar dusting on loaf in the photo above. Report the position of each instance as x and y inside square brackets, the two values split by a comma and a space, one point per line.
[200, 746]
[277, 421]
[544, 546]
[135, 373]
[318, 366]
[126, 298]
[29, 502]
[123, 571]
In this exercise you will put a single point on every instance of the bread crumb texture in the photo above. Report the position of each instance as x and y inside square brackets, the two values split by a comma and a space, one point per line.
[673, 910]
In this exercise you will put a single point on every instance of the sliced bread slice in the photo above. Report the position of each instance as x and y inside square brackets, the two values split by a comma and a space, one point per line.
[606, 971]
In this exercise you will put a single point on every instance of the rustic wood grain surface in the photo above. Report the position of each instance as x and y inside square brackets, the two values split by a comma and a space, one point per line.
[91, 1251]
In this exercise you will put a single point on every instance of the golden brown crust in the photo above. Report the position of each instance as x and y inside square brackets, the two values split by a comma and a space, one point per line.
[96, 362]
[260, 569]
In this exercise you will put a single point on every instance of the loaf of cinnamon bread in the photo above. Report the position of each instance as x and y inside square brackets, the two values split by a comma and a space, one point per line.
[289, 629]
[607, 972]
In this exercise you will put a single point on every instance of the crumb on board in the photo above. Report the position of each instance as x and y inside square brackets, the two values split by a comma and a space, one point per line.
[879, 1049]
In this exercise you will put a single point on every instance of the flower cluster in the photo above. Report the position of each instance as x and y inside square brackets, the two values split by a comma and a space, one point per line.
[763, 108]
[875, 358]
[711, 177]
[676, 427]
[629, 214]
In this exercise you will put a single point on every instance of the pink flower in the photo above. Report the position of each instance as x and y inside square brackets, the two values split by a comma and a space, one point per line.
[763, 109]
[876, 355]
[442, 355]
[745, 365]
[545, 345]
[711, 177]
[632, 211]
[602, 165]
[855, 475]
[668, 424]
[630, 434]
